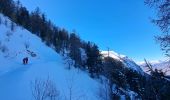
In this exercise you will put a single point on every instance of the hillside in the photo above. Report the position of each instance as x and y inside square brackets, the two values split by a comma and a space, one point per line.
[44, 63]
[63, 66]
[15, 77]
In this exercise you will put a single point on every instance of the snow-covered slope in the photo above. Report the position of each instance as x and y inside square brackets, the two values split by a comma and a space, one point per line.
[129, 63]
[44, 62]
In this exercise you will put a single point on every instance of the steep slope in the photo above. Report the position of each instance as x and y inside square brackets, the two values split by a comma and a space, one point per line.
[129, 63]
[44, 62]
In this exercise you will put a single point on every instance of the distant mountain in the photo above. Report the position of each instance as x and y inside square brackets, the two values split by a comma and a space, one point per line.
[129, 63]
[159, 64]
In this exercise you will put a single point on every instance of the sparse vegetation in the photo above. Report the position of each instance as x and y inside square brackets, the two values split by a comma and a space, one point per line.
[44, 90]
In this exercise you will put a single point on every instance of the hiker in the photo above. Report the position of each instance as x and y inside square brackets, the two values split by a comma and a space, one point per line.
[25, 60]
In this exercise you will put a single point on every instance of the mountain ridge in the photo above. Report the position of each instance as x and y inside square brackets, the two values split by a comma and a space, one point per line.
[129, 63]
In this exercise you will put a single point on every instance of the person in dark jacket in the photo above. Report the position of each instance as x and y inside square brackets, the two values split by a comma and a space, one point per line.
[25, 60]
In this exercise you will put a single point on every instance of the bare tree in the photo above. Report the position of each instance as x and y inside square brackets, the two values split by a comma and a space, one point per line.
[155, 72]
[149, 66]
[44, 90]
[163, 13]
[73, 92]
[70, 85]
[162, 21]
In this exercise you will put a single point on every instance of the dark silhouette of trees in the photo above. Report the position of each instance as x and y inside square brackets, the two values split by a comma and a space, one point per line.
[94, 59]
[7, 7]
[156, 86]
[74, 49]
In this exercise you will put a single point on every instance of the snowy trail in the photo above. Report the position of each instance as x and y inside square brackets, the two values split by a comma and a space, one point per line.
[12, 83]
[17, 81]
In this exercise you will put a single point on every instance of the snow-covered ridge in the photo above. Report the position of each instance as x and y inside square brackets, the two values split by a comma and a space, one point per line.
[112, 54]
[129, 63]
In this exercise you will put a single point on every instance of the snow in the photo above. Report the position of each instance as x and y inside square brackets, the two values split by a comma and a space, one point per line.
[132, 65]
[130, 93]
[112, 54]
[15, 77]
[129, 63]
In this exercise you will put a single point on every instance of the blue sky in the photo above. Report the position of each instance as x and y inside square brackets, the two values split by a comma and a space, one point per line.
[122, 25]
